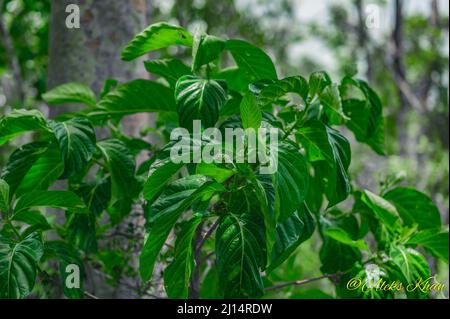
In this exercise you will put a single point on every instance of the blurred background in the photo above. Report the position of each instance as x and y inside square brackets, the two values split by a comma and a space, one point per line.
[400, 47]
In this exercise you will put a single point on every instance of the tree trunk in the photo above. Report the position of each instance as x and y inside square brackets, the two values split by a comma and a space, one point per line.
[91, 53]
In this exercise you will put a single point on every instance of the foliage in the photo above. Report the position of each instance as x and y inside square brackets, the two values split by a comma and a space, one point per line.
[256, 221]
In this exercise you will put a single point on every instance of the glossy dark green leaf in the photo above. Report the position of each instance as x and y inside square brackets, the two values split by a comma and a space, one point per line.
[199, 99]
[156, 36]
[331, 101]
[136, 96]
[313, 136]
[290, 234]
[18, 263]
[274, 91]
[164, 213]
[169, 69]
[291, 180]
[240, 255]
[206, 48]
[81, 230]
[44, 171]
[414, 207]
[121, 167]
[4, 196]
[21, 121]
[20, 162]
[76, 139]
[254, 62]
[32, 218]
[96, 194]
[435, 241]
[53, 198]
[70, 93]
[178, 274]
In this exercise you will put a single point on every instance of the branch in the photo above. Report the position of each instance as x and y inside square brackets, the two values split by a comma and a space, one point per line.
[304, 281]
[91, 296]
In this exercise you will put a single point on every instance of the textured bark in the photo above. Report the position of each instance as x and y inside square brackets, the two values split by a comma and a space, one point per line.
[91, 54]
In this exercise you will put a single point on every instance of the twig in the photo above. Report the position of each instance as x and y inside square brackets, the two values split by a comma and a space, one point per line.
[208, 234]
[91, 296]
[303, 282]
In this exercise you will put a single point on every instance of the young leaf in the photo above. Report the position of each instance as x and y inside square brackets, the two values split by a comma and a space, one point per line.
[199, 99]
[178, 274]
[250, 112]
[254, 62]
[55, 199]
[156, 36]
[18, 122]
[384, 210]
[414, 207]
[136, 96]
[164, 213]
[18, 261]
[240, 252]
[76, 139]
[342, 236]
[169, 69]
[212, 170]
[331, 101]
[318, 81]
[206, 48]
[436, 242]
[313, 136]
[70, 93]
[274, 91]
[4, 196]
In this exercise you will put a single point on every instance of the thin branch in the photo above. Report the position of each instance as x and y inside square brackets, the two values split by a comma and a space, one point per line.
[208, 234]
[91, 296]
[303, 282]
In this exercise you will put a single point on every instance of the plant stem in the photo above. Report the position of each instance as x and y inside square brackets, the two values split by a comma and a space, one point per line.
[303, 282]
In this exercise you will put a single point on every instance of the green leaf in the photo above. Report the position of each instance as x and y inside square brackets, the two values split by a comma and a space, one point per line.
[76, 139]
[18, 261]
[160, 173]
[366, 116]
[331, 101]
[20, 162]
[342, 236]
[137, 96]
[55, 199]
[178, 274]
[4, 196]
[383, 209]
[66, 255]
[254, 62]
[212, 170]
[414, 207]
[250, 112]
[33, 218]
[70, 93]
[199, 99]
[121, 168]
[336, 256]
[436, 242]
[96, 194]
[290, 234]
[81, 231]
[156, 36]
[164, 213]
[412, 265]
[318, 81]
[47, 169]
[206, 48]
[313, 136]
[338, 180]
[291, 180]
[169, 69]
[234, 77]
[18, 122]
[274, 91]
[240, 252]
